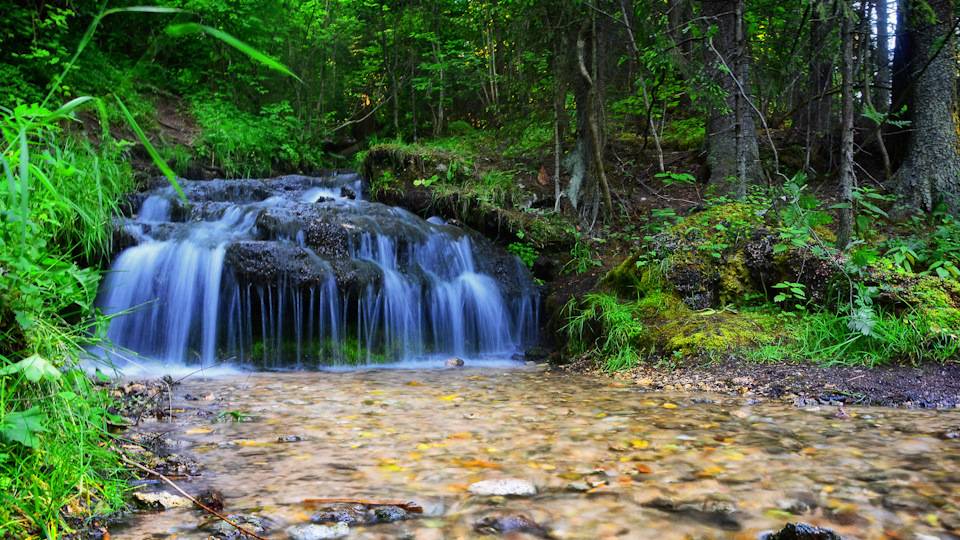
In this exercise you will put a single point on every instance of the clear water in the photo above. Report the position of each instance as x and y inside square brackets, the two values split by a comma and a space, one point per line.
[735, 469]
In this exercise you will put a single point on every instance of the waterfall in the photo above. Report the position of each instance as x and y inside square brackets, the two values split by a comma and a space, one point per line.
[300, 272]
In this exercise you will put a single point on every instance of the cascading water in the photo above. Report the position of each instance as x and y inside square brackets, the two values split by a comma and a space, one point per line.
[299, 272]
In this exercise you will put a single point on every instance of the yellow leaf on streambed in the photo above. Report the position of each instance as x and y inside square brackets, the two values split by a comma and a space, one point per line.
[389, 465]
[474, 463]
[669, 405]
[710, 471]
[248, 442]
[643, 468]
[414, 383]
[449, 397]
[640, 444]
[199, 431]
[461, 435]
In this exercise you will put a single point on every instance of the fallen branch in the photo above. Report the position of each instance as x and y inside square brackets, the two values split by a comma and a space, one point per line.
[192, 499]
[411, 507]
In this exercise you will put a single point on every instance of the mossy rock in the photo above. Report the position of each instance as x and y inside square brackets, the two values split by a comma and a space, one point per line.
[717, 333]
[703, 255]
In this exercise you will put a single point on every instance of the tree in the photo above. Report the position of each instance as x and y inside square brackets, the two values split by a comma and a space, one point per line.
[732, 152]
[845, 229]
[930, 173]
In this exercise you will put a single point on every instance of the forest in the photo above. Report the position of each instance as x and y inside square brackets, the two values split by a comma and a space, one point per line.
[755, 200]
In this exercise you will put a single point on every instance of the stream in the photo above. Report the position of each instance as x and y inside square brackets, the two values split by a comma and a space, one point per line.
[608, 460]
[297, 294]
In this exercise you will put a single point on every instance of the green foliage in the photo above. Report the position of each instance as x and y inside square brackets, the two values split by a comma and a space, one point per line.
[527, 253]
[582, 257]
[604, 326]
[245, 144]
[672, 178]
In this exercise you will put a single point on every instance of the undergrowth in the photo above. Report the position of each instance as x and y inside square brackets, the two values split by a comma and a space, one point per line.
[761, 281]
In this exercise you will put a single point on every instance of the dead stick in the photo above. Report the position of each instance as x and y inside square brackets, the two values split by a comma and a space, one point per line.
[192, 499]
[411, 507]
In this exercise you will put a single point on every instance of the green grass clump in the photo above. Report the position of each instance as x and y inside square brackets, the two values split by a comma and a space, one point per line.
[56, 466]
[606, 328]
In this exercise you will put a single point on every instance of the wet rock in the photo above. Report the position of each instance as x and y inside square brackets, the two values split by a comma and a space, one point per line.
[802, 531]
[212, 499]
[161, 500]
[503, 487]
[225, 531]
[510, 523]
[454, 362]
[387, 514]
[351, 514]
[718, 513]
[318, 532]
[289, 438]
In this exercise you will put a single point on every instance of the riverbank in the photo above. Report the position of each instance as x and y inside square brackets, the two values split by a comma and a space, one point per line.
[926, 386]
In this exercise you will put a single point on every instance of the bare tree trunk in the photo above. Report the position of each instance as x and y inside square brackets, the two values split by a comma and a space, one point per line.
[593, 124]
[557, 149]
[845, 229]
[728, 62]
[643, 84]
[931, 171]
[884, 75]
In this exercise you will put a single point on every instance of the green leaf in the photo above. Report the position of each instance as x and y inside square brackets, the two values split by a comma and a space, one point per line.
[157, 160]
[23, 427]
[184, 29]
[35, 368]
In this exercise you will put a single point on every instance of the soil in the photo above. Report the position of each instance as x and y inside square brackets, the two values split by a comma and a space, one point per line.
[923, 386]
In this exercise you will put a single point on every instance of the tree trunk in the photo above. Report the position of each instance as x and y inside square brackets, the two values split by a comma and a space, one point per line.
[814, 120]
[731, 164]
[931, 171]
[593, 124]
[845, 229]
[884, 76]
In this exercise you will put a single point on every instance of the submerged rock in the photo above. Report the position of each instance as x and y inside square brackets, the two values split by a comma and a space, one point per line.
[503, 487]
[719, 513]
[802, 531]
[454, 362]
[222, 530]
[510, 523]
[318, 532]
[359, 514]
[351, 514]
[387, 514]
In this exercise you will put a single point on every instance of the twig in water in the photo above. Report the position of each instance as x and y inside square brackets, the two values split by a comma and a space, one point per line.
[202, 506]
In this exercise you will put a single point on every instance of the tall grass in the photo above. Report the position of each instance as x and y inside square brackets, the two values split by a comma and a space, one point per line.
[58, 194]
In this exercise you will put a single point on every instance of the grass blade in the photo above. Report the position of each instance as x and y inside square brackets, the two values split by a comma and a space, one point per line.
[184, 29]
[154, 155]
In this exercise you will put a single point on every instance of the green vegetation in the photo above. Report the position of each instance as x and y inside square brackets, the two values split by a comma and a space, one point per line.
[751, 280]
[61, 190]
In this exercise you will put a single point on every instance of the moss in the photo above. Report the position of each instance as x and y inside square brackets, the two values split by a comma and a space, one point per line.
[716, 333]
[734, 279]
[623, 279]
[703, 253]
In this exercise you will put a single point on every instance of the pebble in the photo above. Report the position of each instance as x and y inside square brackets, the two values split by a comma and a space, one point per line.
[318, 532]
[505, 487]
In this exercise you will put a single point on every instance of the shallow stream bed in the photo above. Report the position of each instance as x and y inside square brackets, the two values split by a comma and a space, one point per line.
[608, 460]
